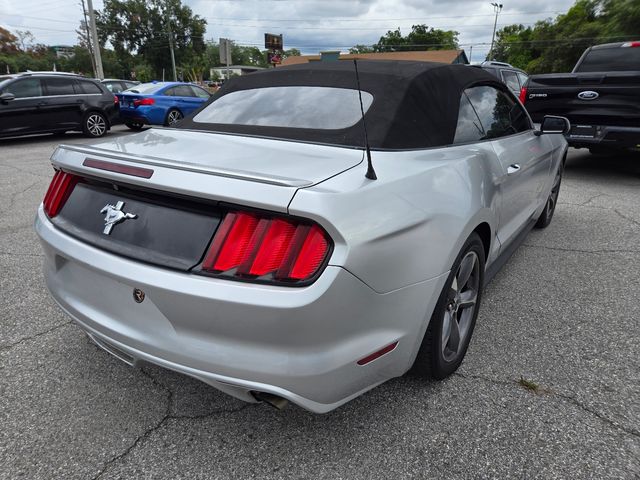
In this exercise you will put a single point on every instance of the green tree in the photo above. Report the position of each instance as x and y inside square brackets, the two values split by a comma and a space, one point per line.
[421, 37]
[361, 49]
[554, 45]
[140, 29]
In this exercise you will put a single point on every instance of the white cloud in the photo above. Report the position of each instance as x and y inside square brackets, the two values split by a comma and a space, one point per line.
[311, 25]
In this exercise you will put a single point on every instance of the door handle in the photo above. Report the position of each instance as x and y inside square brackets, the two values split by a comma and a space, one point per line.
[513, 168]
[42, 104]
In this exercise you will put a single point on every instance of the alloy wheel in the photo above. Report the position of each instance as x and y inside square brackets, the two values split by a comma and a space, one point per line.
[555, 191]
[96, 125]
[174, 116]
[460, 307]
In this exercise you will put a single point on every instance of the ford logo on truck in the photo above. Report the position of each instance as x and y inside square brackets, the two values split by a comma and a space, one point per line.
[588, 95]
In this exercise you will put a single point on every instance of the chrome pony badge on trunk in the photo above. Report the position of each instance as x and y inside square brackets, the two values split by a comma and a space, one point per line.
[114, 215]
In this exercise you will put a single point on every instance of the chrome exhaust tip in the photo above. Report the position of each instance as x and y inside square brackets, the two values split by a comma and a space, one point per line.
[269, 398]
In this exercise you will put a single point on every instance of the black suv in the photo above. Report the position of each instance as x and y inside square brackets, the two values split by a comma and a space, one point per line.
[513, 77]
[54, 102]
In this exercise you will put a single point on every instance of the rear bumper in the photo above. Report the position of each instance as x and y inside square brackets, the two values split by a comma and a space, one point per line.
[299, 343]
[608, 136]
[147, 115]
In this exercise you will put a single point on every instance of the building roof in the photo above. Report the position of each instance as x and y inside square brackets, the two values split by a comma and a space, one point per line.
[440, 56]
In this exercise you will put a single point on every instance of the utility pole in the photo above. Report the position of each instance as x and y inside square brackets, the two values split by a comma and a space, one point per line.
[88, 39]
[95, 43]
[497, 7]
[173, 57]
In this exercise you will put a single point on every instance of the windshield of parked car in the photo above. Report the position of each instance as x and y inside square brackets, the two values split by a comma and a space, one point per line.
[618, 59]
[4, 81]
[145, 88]
[324, 108]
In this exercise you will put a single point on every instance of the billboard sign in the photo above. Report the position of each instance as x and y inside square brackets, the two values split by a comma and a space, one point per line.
[272, 41]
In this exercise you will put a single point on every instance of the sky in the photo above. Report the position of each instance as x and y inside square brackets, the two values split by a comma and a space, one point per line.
[309, 25]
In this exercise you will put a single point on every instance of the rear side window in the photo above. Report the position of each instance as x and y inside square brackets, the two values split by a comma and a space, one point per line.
[510, 78]
[523, 78]
[325, 108]
[29, 87]
[59, 86]
[469, 128]
[618, 59]
[88, 87]
[199, 92]
[499, 114]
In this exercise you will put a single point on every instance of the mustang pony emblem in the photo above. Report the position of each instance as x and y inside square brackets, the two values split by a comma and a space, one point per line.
[114, 214]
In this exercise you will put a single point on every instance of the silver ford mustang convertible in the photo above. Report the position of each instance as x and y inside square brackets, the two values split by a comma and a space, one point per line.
[309, 233]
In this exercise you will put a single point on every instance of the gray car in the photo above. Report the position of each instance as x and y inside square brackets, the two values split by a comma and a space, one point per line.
[311, 232]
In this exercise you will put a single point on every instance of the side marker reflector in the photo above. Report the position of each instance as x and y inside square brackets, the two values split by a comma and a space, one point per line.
[378, 354]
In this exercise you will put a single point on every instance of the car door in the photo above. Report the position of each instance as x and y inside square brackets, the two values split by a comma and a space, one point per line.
[63, 106]
[187, 99]
[525, 157]
[22, 114]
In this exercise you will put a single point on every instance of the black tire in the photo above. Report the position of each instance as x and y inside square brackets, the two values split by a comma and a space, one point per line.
[94, 124]
[550, 207]
[134, 126]
[432, 361]
[171, 114]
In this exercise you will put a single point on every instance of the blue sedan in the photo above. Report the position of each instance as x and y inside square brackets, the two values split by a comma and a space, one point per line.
[159, 103]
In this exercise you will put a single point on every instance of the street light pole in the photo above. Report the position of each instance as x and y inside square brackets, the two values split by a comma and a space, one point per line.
[497, 7]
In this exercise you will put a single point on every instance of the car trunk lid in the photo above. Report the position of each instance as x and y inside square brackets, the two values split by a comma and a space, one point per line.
[179, 185]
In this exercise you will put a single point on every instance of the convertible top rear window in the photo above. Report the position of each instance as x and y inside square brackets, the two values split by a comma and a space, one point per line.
[292, 107]
[408, 105]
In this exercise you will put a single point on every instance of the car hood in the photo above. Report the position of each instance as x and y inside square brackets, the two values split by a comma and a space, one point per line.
[276, 162]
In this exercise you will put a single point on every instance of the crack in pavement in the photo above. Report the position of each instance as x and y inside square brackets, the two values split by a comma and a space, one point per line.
[4, 348]
[167, 416]
[629, 219]
[14, 196]
[552, 393]
[35, 255]
[577, 250]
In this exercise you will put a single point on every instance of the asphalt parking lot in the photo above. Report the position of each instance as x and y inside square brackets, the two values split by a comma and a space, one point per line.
[563, 315]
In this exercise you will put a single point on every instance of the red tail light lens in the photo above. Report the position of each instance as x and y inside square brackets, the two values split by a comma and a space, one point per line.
[143, 101]
[115, 100]
[59, 190]
[523, 95]
[276, 249]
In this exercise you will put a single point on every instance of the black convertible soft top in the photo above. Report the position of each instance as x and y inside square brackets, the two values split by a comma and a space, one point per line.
[415, 104]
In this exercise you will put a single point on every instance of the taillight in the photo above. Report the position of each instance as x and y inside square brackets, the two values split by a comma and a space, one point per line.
[523, 95]
[59, 190]
[630, 44]
[273, 249]
[115, 100]
[143, 101]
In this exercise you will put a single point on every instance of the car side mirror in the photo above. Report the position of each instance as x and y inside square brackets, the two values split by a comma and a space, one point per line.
[553, 124]
[6, 97]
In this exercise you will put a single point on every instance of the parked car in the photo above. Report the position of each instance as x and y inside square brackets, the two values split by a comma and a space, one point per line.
[159, 103]
[513, 77]
[117, 86]
[269, 247]
[601, 97]
[54, 102]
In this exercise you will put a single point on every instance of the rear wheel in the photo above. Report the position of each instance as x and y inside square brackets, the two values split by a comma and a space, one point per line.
[94, 124]
[173, 117]
[134, 125]
[447, 338]
[550, 207]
